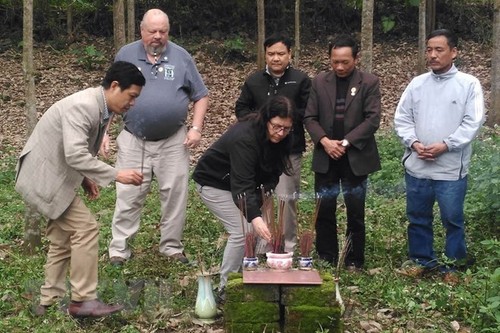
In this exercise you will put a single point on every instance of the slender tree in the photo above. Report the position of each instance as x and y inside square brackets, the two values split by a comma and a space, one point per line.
[430, 16]
[130, 21]
[494, 113]
[119, 23]
[296, 54]
[69, 21]
[32, 234]
[422, 33]
[367, 36]
[261, 34]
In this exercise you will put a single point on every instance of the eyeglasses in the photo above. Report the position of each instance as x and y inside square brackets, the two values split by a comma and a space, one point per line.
[278, 128]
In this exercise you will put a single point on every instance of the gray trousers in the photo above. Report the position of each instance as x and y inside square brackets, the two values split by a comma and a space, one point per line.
[289, 188]
[221, 204]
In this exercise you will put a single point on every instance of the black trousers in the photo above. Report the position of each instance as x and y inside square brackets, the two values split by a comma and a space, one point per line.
[328, 185]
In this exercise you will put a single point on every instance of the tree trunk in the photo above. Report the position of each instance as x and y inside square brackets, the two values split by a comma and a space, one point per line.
[69, 22]
[430, 13]
[130, 21]
[494, 113]
[296, 54]
[119, 23]
[32, 234]
[261, 34]
[367, 36]
[421, 66]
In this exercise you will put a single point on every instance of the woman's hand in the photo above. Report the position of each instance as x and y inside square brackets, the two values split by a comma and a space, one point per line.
[260, 227]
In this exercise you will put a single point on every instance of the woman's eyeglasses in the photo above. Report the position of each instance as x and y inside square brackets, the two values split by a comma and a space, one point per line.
[278, 128]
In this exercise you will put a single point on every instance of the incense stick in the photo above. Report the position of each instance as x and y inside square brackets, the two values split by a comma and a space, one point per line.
[142, 159]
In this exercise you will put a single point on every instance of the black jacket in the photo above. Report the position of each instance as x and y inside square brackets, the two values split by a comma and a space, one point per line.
[260, 86]
[234, 163]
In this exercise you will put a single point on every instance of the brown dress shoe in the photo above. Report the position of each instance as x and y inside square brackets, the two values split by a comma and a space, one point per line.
[94, 308]
[41, 310]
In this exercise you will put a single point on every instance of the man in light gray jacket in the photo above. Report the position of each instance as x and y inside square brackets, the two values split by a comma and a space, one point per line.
[438, 116]
[60, 155]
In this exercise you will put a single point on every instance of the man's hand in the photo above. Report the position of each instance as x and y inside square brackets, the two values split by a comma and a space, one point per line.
[90, 188]
[333, 148]
[430, 152]
[260, 227]
[129, 177]
[193, 138]
[104, 150]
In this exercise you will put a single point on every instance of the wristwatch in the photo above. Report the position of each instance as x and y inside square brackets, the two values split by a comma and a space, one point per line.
[345, 143]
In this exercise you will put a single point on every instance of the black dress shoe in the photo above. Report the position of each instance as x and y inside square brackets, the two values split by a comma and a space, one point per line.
[180, 257]
[94, 308]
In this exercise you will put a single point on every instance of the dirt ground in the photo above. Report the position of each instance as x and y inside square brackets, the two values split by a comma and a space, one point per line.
[58, 74]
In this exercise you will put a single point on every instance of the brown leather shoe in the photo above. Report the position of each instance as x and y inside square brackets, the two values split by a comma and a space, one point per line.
[94, 308]
[41, 310]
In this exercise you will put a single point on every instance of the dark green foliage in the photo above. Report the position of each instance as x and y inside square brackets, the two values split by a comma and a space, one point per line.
[219, 19]
[89, 57]
[484, 183]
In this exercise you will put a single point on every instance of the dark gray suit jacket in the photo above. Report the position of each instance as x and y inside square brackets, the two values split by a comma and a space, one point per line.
[361, 120]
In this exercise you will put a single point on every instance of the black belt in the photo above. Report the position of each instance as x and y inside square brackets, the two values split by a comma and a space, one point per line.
[145, 139]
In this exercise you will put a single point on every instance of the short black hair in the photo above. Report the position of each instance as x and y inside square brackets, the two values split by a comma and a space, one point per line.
[277, 38]
[451, 37]
[125, 73]
[344, 40]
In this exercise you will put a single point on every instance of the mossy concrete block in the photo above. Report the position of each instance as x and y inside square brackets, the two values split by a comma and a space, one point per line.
[251, 312]
[234, 327]
[232, 276]
[321, 295]
[236, 291]
[308, 319]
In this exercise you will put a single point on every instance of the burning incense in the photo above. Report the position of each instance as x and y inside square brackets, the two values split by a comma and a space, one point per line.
[307, 236]
[305, 243]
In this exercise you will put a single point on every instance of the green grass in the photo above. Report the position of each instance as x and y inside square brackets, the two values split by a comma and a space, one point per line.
[168, 294]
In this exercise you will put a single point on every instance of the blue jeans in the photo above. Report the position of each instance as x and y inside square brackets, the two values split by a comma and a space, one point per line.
[420, 197]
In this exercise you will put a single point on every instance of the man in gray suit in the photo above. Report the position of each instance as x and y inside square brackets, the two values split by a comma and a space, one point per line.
[60, 155]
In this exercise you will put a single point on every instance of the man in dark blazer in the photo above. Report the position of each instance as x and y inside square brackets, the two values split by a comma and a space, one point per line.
[59, 156]
[342, 116]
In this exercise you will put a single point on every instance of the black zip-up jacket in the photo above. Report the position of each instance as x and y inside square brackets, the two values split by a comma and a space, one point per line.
[233, 163]
[260, 86]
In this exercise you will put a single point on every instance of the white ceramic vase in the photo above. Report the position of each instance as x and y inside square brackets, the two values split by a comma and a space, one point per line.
[250, 263]
[205, 308]
[279, 261]
[305, 263]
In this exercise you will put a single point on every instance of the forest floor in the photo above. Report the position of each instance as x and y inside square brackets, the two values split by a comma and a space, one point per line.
[59, 73]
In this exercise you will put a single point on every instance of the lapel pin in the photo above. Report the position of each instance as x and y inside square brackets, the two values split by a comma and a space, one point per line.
[353, 91]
